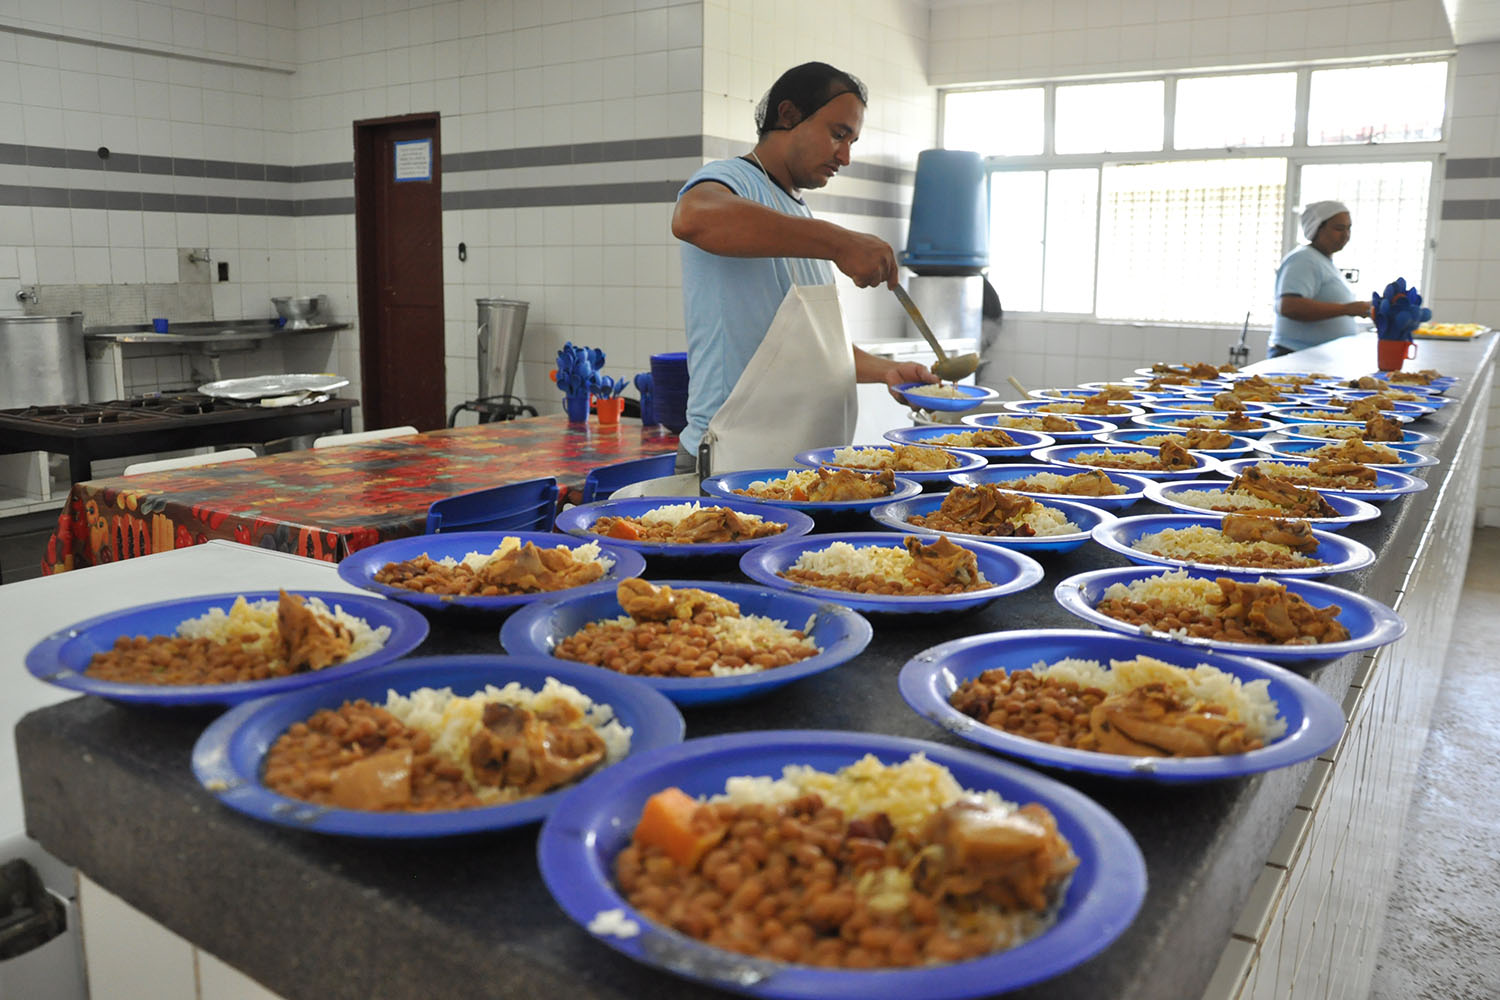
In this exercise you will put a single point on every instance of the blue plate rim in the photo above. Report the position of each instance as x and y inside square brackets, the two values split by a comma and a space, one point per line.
[973, 395]
[1322, 727]
[1023, 448]
[983, 420]
[1027, 573]
[1044, 455]
[714, 484]
[216, 772]
[886, 516]
[797, 523]
[1110, 437]
[627, 563]
[1419, 438]
[1028, 408]
[1151, 421]
[519, 627]
[1406, 483]
[1159, 493]
[565, 846]
[409, 628]
[1390, 626]
[1422, 461]
[1356, 554]
[969, 459]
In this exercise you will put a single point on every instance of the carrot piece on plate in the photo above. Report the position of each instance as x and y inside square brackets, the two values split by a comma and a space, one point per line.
[678, 824]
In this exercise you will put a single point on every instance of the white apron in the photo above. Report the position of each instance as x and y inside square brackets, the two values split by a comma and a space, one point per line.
[796, 393]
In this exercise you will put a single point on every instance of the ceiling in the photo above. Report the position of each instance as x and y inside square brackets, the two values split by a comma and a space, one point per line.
[1474, 21]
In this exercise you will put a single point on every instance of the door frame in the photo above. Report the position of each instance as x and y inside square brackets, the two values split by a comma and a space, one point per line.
[366, 258]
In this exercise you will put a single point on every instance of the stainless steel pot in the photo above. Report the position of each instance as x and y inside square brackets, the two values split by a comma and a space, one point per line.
[43, 361]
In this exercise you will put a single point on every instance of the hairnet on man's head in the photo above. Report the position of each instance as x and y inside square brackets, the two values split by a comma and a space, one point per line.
[1317, 213]
[808, 87]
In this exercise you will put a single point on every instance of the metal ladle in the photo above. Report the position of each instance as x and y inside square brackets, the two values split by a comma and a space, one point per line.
[950, 368]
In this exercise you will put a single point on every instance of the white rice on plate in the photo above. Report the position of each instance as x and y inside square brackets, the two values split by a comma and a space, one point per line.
[1247, 702]
[907, 792]
[585, 553]
[259, 618]
[1199, 543]
[932, 459]
[676, 513]
[1050, 482]
[1221, 499]
[884, 563]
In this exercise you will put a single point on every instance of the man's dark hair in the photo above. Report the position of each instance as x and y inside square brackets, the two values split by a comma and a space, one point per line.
[808, 87]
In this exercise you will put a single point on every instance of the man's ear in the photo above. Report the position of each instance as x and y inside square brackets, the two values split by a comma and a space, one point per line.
[787, 115]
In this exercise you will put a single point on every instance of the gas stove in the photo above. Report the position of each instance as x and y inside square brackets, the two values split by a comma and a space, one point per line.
[118, 411]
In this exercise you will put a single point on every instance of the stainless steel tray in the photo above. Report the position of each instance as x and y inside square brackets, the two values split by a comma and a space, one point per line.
[261, 386]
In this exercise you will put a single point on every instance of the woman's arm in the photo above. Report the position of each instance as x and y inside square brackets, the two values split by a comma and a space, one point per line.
[713, 218]
[1307, 310]
[869, 368]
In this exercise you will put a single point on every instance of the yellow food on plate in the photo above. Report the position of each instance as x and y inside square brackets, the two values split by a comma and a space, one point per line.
[1459, 331]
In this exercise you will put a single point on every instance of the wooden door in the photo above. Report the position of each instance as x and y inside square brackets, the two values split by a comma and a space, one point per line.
[398, 225]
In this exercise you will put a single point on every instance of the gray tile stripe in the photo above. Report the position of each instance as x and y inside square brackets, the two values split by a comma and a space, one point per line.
[1471, 167]
[1459, 209]
[143, 50]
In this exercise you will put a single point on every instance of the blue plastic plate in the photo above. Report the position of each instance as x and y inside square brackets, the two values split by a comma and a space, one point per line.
[1133, 383]
[578, 844]
[1389, 483]
[1370, 623]
[1003, 475]
[1199, 386]
[840, 633]
[1008, 573]
[230, 755]
[1040, 407]
[1201, 404]
[1437, 386]
[62, 657]
[972, 396]
[1291, 416]
[1064, 454]
[360, 567]
[1298, 431]
[576, 521]
[1087, 518]
[1350, 510]
[1338, 554]
[1299, 450]
[1426, 401]
[1169, 421]
[1313, 719]
[1134, 436]
[724, 485]
[966, 460]
[1085, 391]
[1026, 441]
[1087, 426]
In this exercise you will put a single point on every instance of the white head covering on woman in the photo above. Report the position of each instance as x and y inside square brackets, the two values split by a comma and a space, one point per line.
[1317, 213]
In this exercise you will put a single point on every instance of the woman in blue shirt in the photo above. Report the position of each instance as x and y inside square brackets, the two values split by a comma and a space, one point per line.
[1313, 302]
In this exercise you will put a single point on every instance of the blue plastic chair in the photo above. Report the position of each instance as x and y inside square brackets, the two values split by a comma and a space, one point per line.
[603, 481]
[524, 506]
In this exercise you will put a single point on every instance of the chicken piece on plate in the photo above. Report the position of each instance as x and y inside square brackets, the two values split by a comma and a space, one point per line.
[846, 484]
[1052, 422]
[1150, 721]
[981, 509]
[1356, 451]
[379, 781]
[1276, 613]
[941, 563]
[915, 458]
[1382, 428]
[1365, 475]
[993, 437]
[533, 753]
[307, 641]
[1093, 483]
[1237, 420]
[1291, 499]
[1016, 859]
[1198, 438]
[528, 567]
[1366, 382]
[710, 525]
[1174, 457]
[646, 602]
[1294, 534]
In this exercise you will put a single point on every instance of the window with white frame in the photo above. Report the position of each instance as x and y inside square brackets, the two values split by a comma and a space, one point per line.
[1190, 226]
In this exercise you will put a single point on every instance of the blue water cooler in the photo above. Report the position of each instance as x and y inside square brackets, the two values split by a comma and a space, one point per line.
[948, 242]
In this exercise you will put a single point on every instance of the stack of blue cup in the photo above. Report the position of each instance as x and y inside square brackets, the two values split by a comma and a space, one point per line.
[669, 384]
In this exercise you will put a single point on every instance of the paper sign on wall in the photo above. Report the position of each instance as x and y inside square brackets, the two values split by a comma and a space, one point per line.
[414, 160]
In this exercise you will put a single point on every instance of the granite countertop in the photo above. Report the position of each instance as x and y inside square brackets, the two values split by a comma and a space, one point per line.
[227, 331]
[108, 789]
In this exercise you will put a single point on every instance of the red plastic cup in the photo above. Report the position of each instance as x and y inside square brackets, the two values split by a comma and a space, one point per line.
[609, 410]
[1391, 354]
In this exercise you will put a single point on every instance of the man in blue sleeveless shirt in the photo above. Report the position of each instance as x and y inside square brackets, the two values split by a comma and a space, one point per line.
[748, 237]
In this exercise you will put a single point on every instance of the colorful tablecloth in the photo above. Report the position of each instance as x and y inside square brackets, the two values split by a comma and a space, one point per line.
[329, 502]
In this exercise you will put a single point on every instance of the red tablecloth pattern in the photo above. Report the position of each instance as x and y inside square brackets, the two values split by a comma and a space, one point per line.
[329, 502]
